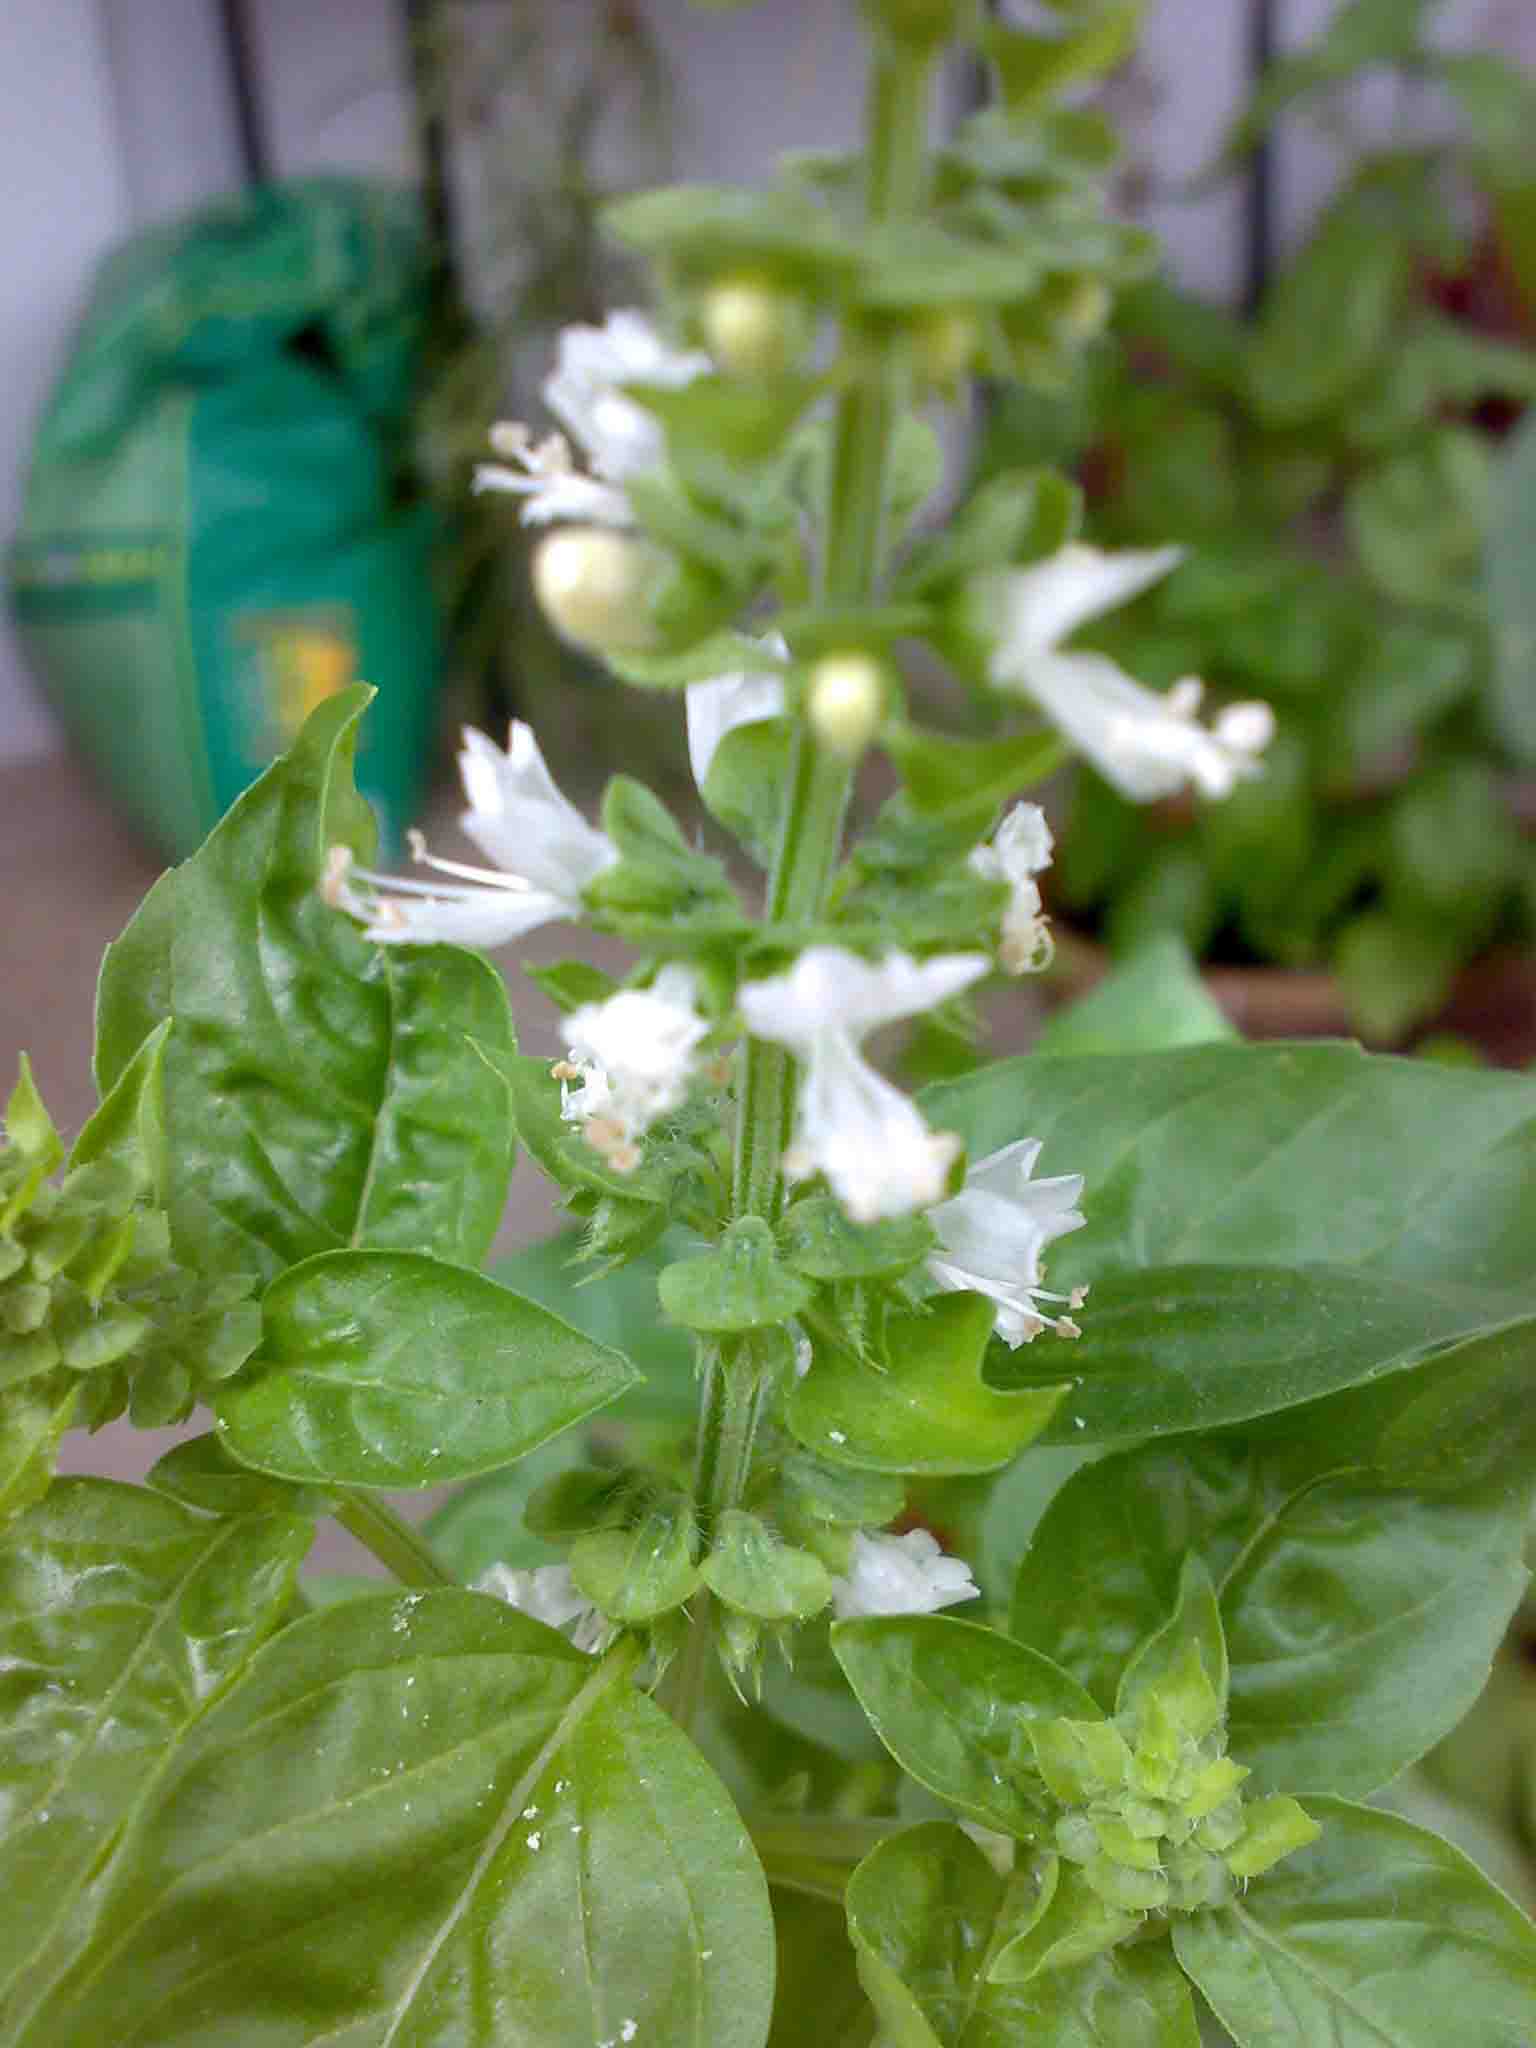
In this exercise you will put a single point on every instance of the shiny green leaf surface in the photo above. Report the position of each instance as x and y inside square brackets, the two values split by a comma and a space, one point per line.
[953, 1702]
[929, 1914]
[923, 1406]
[121, 1614]
[1266, 1224]
[318, 1091]
[494, 1837]
[392, 1369]
[1360, 1621]
[1378, 1936]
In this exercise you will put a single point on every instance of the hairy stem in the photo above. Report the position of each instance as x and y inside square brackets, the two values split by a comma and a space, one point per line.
[392, 1540]
[815, 799]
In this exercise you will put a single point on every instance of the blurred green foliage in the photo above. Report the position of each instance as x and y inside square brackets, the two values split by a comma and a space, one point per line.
[1334, 465]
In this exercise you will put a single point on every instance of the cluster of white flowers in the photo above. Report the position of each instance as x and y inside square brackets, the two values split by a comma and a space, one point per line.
[616, 434]
[631, 1061]
[548, 1593]
[907, 1574]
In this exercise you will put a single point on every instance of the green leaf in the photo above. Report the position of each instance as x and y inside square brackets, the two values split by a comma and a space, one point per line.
[484, 1523]
[1033, 68]
[818, 1996]
[820, 1239]
[941, 774]
[121, 1615]
[127, 1129]
[740, 1285]
[1510, 585]
[1151, 1002]
[634, 1574]
[928, 1914]
[494, 1837]
[1378, 1936]
[1021, 515]
[1418, 521]
[1473, 1426]
[712, 230]
[318, 1091]
[1348, 284]
[922, 1405]
[1160, 1670]
[616, 1308]
[393, 1369]
[953, 1703]
[1396, 972]
[201, 1474]
[1360, 1621]
[744, 788]
[1266, 1224]
[749, 1569]
[33, 1419]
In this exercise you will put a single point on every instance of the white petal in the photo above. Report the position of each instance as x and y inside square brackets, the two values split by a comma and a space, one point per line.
[461, 917]
[991, 1234]
[718, 706]
[1146, 746]
[831, 988]
[640, 1046]
[520, 819]
[1044, 604]
[900, 1575]
[581, 498]
[879, 1156]
[619, 437]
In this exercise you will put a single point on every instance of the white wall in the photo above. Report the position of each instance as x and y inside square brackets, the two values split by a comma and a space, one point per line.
[62, 199]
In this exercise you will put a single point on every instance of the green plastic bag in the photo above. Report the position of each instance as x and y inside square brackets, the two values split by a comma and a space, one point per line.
[217, 529]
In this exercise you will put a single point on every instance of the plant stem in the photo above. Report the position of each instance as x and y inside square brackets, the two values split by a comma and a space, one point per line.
[815, 799]
[392, 1540]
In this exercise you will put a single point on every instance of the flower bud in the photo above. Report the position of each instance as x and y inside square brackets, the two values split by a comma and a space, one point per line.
[751, 327]
[593, 583]
[943, 346]
[1080, 306]
[844, 701]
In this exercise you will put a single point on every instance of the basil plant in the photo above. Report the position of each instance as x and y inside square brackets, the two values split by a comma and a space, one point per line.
[849, 1631]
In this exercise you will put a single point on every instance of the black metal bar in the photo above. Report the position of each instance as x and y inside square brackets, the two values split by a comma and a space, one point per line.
[240, 55]
[1260, 196]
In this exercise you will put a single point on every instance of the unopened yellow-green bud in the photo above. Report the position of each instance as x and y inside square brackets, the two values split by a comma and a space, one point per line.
[844, 701]
[943, 347]
[592, 584]
[752, 327]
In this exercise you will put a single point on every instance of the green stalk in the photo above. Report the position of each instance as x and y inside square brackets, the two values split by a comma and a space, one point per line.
[816, 797]
[392, 1540]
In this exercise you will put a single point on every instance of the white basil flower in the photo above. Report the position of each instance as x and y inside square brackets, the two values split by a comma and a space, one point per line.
[901, 1575]
[992, 1233]
[632, 1059]
[878, 1155]
[545, 854]
[617, 436]
[1019, 850]
[718, 706]
[548, 1593]
[1147, 745]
